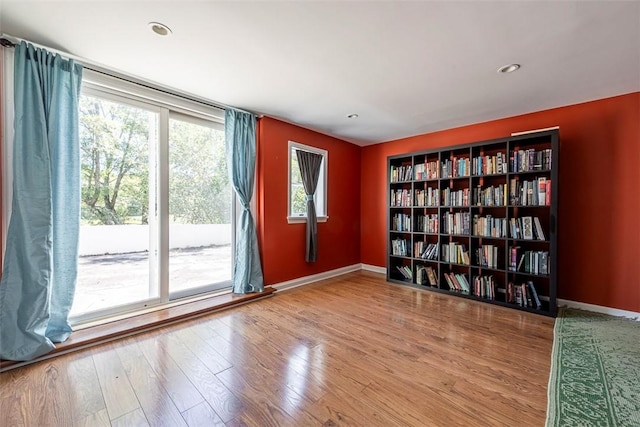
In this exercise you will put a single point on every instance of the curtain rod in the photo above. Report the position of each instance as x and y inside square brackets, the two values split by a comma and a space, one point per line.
[8, 41]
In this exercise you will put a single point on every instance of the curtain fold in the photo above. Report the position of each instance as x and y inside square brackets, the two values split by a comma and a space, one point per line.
[310, 171]
[40, 265]
[240, 142]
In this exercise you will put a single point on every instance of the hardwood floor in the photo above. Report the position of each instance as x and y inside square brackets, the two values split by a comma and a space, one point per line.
[353, 351]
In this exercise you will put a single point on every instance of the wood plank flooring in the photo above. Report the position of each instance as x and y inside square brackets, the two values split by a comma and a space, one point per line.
[349, 351]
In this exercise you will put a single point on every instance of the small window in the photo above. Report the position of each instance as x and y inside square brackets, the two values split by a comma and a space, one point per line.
[297, 200]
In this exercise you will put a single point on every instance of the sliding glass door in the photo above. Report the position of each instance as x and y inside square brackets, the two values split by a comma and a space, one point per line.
[157, 208]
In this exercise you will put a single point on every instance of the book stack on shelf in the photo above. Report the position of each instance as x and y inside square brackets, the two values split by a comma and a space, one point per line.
[478, 220]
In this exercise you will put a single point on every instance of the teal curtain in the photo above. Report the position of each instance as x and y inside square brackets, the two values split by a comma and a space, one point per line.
[40, 265]
[240, 141]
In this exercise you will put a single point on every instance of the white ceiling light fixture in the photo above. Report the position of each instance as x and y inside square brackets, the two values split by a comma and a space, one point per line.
[510, 68]
[160, 29]
[352, 116]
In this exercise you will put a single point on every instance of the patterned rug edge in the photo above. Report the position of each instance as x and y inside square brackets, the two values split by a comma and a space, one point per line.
[553, 374]
[612, 389]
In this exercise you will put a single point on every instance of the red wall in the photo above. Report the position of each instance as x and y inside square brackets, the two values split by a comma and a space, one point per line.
[282, 245]
[599, 194]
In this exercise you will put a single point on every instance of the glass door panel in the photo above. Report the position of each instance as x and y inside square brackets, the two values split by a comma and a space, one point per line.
[200, 207]
[118, 237]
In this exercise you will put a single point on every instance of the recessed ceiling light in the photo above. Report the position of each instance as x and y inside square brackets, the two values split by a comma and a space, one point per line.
[352, 116]
[160, 29]
[508, 68]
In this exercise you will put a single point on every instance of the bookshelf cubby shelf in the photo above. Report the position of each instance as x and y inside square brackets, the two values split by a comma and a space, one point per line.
[494, 207]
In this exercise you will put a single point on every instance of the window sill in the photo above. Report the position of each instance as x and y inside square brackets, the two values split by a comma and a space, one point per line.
[300, 219]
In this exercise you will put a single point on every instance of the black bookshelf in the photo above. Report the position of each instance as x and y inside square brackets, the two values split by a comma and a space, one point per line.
[499, 199]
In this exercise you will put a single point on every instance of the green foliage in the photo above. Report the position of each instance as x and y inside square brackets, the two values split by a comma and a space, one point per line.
[115, 140]
[114, 161]
[298, 195]
[199, 190]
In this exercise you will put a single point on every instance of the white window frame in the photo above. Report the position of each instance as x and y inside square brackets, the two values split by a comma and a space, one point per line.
[320, 196]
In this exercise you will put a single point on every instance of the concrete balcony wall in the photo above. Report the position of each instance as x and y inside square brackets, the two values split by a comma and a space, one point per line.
[117, 239]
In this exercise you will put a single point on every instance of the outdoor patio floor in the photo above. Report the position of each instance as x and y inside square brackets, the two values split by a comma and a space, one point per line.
[105, 281]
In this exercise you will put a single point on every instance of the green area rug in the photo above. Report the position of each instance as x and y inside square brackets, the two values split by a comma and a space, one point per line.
[595, 371]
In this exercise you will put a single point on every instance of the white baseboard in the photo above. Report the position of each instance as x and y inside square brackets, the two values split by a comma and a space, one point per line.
[599, 309]
[374, 268]
[300, 281]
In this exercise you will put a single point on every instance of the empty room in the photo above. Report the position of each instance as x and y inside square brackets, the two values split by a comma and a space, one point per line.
[319, 213]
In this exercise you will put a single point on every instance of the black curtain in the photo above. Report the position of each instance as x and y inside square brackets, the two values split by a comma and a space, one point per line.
[310, 170]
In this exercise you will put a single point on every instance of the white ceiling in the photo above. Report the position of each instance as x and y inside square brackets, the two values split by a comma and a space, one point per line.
[405, 67]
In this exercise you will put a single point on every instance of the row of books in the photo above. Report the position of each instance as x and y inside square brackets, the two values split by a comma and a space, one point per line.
[428, 197]
[399, 247]
[484, 287]
[487, 256]
[426, 275]
[457, 282]
[428, 170]
[527, 228]
[405, 271]
[494, 195]
[401, 173]
[456, 223]
[489, 165]
[488, 226]
[532, 262]
[536, 192]
[520, 161]
[456, 167]
[426, 250]
[428, 223]
[524, 295]
[401, 222]
[455, 252]
[400, 198]
[455, 197]
[531, 160]
[521, 194]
